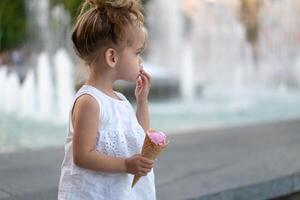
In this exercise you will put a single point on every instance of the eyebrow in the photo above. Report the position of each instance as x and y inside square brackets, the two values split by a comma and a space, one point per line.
[143, 47]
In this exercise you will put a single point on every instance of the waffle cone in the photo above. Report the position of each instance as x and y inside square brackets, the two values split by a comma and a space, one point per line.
[151, 151]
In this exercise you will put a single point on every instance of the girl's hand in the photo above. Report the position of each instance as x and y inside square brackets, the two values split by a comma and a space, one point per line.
[143, 84]
[138, 165]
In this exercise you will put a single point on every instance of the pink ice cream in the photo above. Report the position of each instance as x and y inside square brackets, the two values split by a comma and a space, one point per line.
[158, 138]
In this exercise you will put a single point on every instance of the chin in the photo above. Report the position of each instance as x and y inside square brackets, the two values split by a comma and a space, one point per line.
[131, 79]
[134, 78]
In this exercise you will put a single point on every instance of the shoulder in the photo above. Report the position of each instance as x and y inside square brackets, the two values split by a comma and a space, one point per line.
[86, 104]
[85, 114]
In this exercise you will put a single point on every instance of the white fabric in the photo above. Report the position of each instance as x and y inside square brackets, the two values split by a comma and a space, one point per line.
[119, 135]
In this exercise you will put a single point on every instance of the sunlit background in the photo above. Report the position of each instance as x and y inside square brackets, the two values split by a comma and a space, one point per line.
[214, 63]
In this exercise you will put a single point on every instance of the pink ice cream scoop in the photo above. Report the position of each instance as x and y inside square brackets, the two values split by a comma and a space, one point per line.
[157, 137]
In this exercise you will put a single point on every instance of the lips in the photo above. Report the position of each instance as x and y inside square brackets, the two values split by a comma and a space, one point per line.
[139, 80]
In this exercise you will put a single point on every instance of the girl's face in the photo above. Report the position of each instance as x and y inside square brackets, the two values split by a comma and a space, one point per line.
[130, 61]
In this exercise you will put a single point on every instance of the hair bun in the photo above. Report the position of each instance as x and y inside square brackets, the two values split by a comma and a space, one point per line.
[111, 3]
[96, 3]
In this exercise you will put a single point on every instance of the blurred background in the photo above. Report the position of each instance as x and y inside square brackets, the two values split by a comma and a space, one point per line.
[214, 63]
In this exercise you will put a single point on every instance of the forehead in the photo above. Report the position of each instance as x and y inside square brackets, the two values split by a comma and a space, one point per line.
[137, 36]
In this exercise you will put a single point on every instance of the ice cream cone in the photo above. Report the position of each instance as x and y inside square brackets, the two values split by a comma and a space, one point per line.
[151, 151]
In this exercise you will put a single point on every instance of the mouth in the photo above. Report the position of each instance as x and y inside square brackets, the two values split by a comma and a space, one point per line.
[139, 80]
[140, 74]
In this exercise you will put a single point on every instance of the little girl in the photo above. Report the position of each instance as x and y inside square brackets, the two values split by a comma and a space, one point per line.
[105, 135]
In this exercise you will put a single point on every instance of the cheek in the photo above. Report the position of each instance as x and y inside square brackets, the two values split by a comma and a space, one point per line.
[129, 71]
[135, 72]
[130, 66]
[134, 64]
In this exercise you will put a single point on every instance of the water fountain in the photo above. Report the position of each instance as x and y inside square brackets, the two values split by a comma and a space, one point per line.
[28, 105]
[12, 93]
[38, 25]
[47, 87]
[65, 83]
[217, 44]
[279, 44]
[212, 40]
[42, 97]
[3, 74]
[166, 43]
[217, 57]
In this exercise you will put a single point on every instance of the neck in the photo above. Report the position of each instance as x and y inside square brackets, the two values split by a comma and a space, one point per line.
[101, 80]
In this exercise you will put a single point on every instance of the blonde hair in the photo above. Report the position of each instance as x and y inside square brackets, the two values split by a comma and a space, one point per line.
[104, 22]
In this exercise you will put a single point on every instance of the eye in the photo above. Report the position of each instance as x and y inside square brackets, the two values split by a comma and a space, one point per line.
[140, 51]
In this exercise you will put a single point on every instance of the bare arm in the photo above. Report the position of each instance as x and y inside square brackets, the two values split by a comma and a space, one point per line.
[86, 122]
[142, 114]
[141, 93]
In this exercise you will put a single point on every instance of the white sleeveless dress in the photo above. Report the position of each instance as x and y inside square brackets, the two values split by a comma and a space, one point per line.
[119, 135]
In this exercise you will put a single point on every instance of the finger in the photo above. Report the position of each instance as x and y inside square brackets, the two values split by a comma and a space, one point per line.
[139, 81]
[147, 75]
[142, 174]
[145, 171]
[147, 161]
[147, 166]
[145, 79]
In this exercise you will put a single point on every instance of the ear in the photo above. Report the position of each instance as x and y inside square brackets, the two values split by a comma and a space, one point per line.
[111, 57]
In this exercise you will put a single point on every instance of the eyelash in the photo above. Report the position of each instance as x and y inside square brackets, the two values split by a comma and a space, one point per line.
[140, 52]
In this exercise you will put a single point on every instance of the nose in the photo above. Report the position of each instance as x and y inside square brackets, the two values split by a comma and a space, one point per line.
[141, 64]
